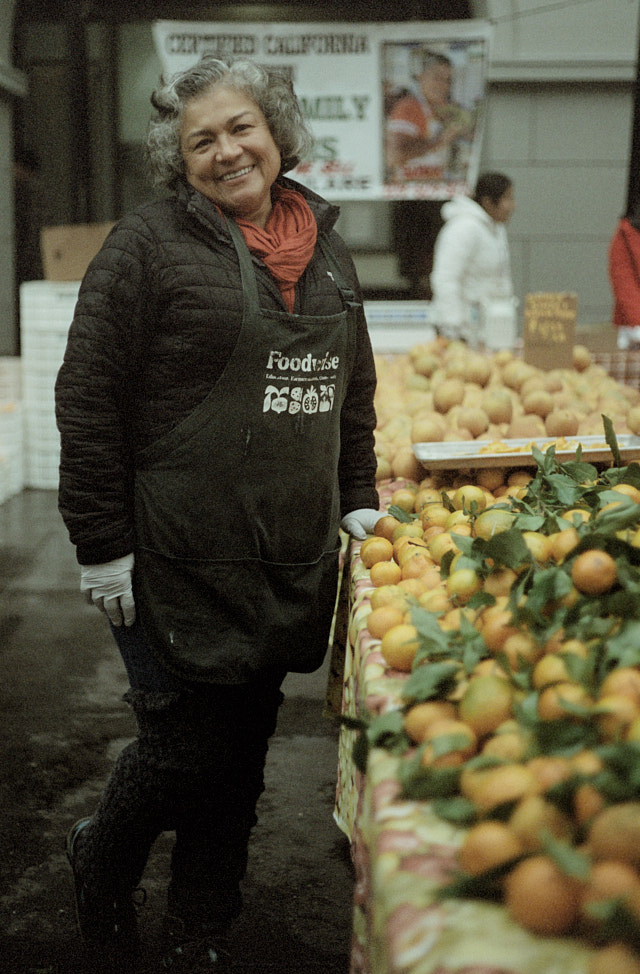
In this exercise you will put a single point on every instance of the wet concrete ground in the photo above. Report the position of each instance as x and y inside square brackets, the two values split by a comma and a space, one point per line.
[62, 724]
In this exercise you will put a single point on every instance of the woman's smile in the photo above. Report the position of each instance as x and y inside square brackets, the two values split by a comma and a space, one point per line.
[236, 174]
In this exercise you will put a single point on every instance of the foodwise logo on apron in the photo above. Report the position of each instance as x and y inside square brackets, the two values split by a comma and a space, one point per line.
[310, 383]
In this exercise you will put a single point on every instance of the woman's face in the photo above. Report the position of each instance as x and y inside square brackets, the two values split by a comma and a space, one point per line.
[229, 153]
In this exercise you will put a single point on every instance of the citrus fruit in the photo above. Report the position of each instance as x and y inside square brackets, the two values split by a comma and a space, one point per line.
[541, 898]
[500, 581]
[390, 594]
[375, 549]
[490, 478]
[435, 599]
[493, 520]
[411, 529]
[486, 703]
[622, 680]
[556, 702]
[594, 572]
[490, 787]
[385, 526]
[616, 713]
[538, 544]
[379, 621]
[550, 770]
[404, 498]
[486, 845]
[509, 746]
[609, 880]
[615, 833]
[495, 624]
[399, 646]
[587, 803]
[562, 543]
[426, 495]
[440, 544]
[462, 584]
[469, 494]
[413, 586]
[434, 515]
[416, 565]
[521, 650]
[576, 515]
[407, 547]
[616, 958]
[629, 490]
[550, 669]
[385, 573]
[449, 743]
[533, 817]
[421, 716]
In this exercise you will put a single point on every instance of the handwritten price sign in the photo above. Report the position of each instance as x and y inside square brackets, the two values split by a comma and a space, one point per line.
[549, 329]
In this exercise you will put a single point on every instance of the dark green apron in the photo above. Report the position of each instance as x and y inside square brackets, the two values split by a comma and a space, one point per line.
[237, 509]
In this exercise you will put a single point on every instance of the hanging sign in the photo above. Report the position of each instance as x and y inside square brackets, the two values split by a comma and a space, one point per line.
[396, 109]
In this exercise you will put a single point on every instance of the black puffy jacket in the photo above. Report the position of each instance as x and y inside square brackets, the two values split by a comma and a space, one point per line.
[158, 315]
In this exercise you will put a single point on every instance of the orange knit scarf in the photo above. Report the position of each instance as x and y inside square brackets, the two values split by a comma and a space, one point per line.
[287, 242]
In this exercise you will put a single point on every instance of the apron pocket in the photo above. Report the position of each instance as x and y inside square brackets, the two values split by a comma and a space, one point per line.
[228, 621]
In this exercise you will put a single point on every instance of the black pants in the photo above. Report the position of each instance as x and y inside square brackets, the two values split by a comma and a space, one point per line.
[195, 768]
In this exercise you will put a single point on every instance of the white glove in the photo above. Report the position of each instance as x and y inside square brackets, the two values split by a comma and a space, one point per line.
[360, 523]
[109, 588]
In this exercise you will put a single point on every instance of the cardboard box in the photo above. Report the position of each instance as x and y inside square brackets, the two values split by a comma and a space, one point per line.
[598, 338]
[67, 250]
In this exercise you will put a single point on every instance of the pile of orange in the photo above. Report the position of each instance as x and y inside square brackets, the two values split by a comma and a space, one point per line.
[535, 645]
[444, 391]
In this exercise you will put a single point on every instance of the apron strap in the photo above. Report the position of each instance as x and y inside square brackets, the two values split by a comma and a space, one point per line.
[348, 295]
[247, 273]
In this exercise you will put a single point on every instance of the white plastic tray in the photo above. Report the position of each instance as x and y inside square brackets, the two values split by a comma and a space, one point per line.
[475, 453]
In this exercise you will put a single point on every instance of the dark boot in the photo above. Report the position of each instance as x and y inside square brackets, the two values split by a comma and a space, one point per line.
[107, 923]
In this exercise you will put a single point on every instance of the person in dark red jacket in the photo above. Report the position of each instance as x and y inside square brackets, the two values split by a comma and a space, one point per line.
[216, 413]
[624, 270]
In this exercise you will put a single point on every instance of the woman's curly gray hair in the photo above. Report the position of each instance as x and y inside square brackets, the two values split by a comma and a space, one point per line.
[271, 90]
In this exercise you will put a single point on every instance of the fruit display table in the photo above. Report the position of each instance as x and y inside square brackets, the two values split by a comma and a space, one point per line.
[402, 851]
[488, 640]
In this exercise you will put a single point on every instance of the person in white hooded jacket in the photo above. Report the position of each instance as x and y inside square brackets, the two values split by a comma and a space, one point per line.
[471, 263]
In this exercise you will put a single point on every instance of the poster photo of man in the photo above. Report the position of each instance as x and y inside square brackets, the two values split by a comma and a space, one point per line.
[433, 96]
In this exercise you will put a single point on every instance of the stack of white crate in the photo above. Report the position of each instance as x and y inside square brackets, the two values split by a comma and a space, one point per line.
[11, 452]
[46, 311]
[395, 326]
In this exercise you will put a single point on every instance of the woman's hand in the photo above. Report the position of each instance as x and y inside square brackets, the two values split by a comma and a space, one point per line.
[360, 523]
[109, 588]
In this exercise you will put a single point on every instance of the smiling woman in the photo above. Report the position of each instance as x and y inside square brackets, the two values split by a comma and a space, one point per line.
[216, 415]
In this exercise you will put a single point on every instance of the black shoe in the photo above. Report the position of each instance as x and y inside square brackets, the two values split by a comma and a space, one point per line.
[195, 948]
[108, 927]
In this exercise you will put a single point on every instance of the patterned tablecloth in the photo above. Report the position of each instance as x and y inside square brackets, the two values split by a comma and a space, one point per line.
[402, 852]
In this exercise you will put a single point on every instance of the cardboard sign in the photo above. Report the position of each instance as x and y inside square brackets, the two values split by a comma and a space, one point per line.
[549, 329]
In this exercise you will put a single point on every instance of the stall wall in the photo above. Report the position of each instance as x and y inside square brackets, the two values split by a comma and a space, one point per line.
[559, 122]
